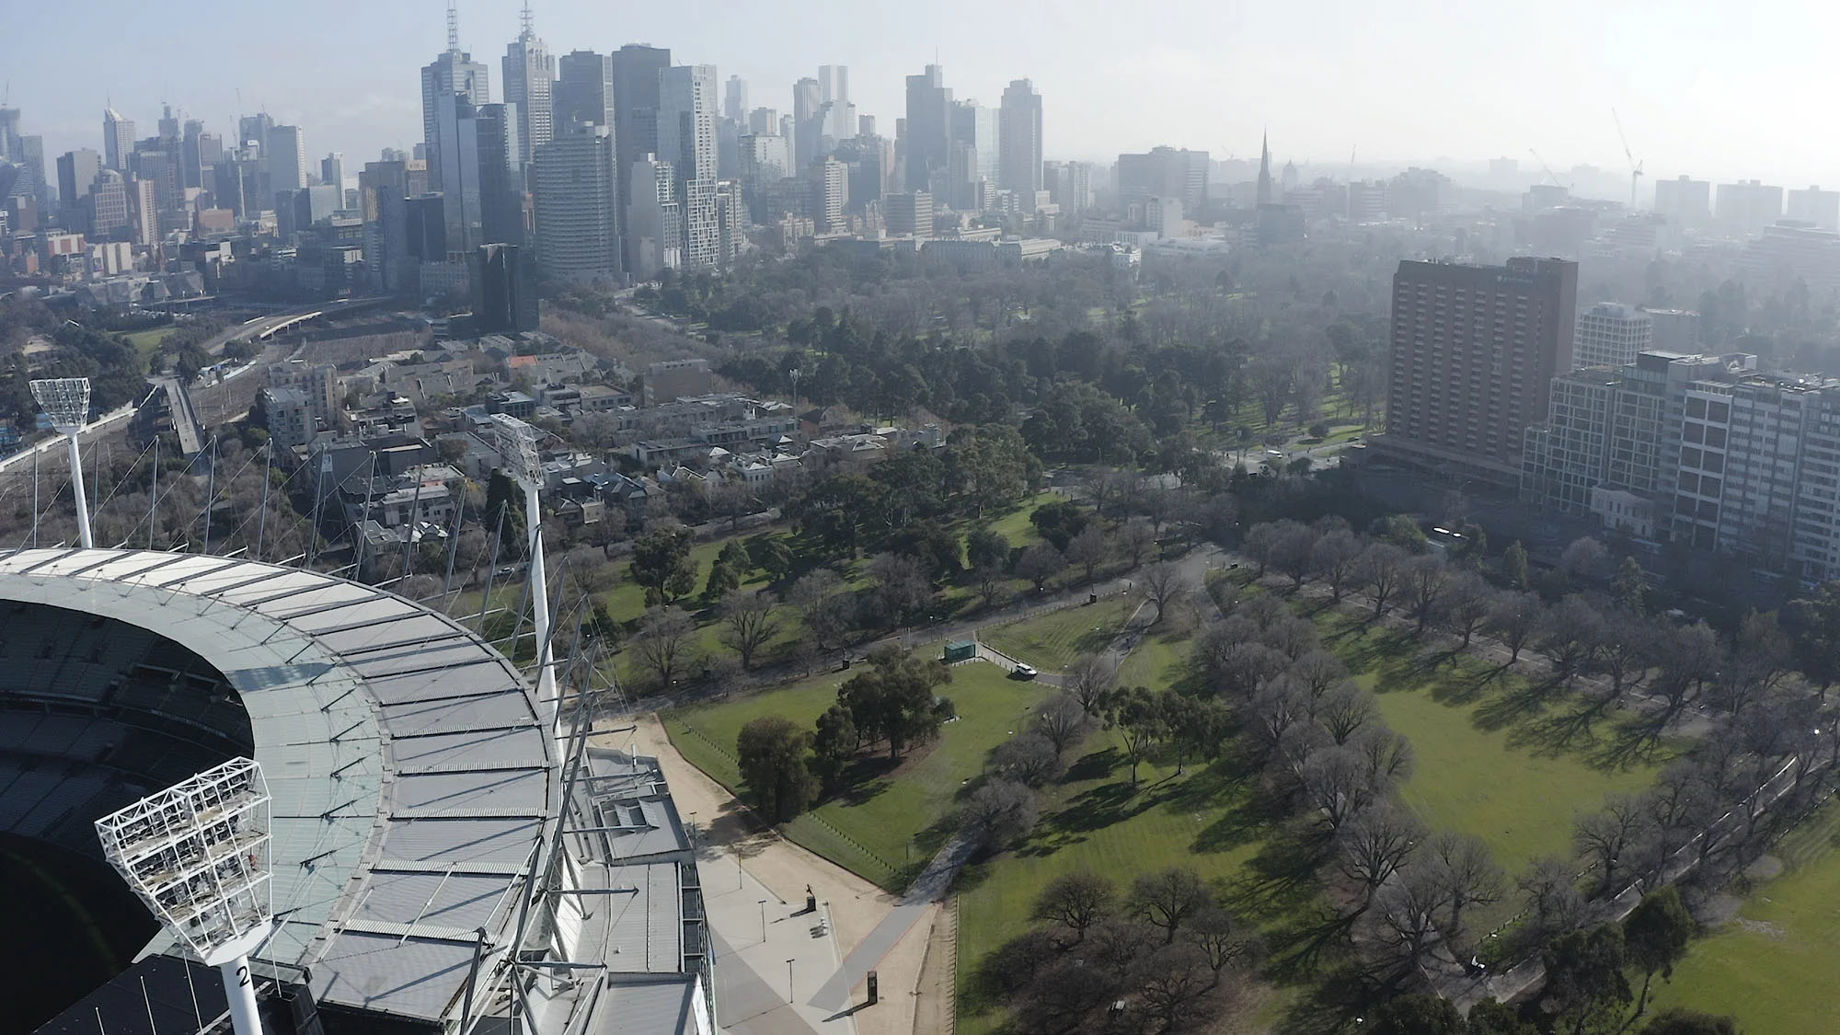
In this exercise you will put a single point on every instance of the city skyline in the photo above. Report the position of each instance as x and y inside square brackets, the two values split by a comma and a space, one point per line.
[1670, 72]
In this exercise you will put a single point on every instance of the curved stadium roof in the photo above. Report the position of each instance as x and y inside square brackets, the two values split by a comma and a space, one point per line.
[411, 768]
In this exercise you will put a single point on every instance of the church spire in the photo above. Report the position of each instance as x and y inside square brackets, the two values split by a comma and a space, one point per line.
[1265, 168]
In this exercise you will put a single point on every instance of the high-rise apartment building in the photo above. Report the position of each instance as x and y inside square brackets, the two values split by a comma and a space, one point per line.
[457, 133]
[504, 296]
[654, 225]
[829, 193]
[687, 139]
[1684, 201]
[1069, 185]
[109, 207]
[1473, 353]
[575, 189]
[117, 140]
[453, 73]
[1019, 167]
[1746, 207]
[1165, 172]
[909, 213]
[1816, 206]
[807, 122]
[1610, 334]
[530, 73]
[332, 170]
[928, 136]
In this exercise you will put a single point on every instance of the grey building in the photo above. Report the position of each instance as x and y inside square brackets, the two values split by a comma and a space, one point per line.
[575, 189]
[453, 73]
[583, 91]
[530, 73]
[928, 127]
[1019, 162]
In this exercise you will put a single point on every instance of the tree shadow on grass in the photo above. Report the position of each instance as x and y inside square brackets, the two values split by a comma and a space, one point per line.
[1519, 704]
[1568, 732]
[1094, 765]
[1635, 742]
[1340, 999]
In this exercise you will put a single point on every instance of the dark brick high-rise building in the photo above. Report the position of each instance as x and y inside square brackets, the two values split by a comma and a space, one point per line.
[1474, 352]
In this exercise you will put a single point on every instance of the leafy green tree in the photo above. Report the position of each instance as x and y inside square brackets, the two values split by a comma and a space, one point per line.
[1630, 585]
[1655, 936]
[1689, 1022]
[1584, 978]
[770, 752]
[1401, 531]
[505, 503]
[722, 581]
[1058, 521]
[1137, 714]
[735, 555]
[893, 701]
[840, 515]
[1514, 565]
[661, 563]
[1489, 1017]
[769, 554]
[986, 548]
[833, 744]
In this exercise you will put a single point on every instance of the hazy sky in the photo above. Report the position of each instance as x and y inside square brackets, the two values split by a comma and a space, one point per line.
[1717, 90]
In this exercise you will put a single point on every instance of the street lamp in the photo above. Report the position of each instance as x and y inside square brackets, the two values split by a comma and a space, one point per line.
[789, 982]
[196, 854]
[517, 443]
[66, 401]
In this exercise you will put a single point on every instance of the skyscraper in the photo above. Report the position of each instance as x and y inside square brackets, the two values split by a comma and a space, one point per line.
[735, 99]
[504, 299]
[1473, 355]
[1019, 166]
[654, 227]
[452, 73]
[973, 158]
[529, 73]
[636, 68]
[687, 139]
[287, 159]
[76, 171]
[834, 97]
[929, 126]
[117, 139]
[574, 184]
[1165, 172]
[829, 193]
[9, 133]
[584, 91]
[807, 121]
[332, 171]
[501, 181]
[457, 130]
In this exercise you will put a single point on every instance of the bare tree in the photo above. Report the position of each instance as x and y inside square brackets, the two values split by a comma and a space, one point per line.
[1426, 578]
[1466, 605]
[1407, 912]
[1570, 634]
[1173, 983]
[749, 622]
[1217, 934]
[826, 606]
[1062, 720]
[1381, 571]
[1168, 897]
[665, 644]
[1467, 874]
[1135, 540]
[1028, 758]
[1076, 901]
[1039, 564]
[1088, 550]
[1334, 556]
[1374, 846]
[1344, 710]
[1514, 616]
[1607, 837]
[1386, 753]
[999, 812]
[1338, 784]
[1090, 679]
[1549, 890]
[1163, 582]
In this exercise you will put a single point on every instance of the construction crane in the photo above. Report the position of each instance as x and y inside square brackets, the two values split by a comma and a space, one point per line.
[1548, 168]
[1635, 167]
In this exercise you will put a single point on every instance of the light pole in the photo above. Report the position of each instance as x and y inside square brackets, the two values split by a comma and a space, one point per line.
[763, 920]
[517, 443]
[788, 982]
[197, 855]
[794, 374]
[66, 401]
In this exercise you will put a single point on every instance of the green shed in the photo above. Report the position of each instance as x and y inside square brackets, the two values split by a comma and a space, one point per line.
[960, 650]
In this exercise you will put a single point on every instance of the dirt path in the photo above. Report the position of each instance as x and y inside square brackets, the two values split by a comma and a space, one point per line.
[935, 1007]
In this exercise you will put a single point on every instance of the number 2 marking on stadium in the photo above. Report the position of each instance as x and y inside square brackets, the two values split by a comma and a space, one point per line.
[242, 976]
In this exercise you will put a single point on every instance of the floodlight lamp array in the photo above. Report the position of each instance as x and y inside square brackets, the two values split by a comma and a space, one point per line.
[65, 400]
[517, 442]
[197, 855]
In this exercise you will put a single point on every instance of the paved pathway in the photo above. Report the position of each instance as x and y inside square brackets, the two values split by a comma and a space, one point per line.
[930, 886]
[755, 935]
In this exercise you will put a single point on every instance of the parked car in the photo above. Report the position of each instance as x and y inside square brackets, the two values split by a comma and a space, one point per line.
[1025, 671]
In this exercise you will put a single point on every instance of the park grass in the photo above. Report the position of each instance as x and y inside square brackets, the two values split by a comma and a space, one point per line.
[1093, 820]
[894, 816]
[1772, 966]
[1015, 526]
[1052, 641]
[1160, 661]
[147, 342]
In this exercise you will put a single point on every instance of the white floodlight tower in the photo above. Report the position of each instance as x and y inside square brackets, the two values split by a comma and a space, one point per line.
[66, 401]
[517, 443]
[197, 855]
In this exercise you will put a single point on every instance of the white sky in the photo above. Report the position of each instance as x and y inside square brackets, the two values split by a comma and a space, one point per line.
[1719, 90]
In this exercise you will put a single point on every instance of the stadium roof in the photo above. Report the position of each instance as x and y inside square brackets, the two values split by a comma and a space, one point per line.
[411, 767]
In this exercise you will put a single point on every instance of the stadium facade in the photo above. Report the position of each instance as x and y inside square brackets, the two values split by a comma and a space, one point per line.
[447, 855]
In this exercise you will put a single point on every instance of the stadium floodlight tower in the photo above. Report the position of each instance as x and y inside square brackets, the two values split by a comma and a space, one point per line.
[66, 401]
[197, 855]
[517, 443]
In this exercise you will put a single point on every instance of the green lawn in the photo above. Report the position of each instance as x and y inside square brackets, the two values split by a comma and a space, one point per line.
[1015, 525]
[147, 342]
[1772, 965]
[1160, 661]
[1094, 821]
[1052, 641]
[1494, 757]
[889, 823]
